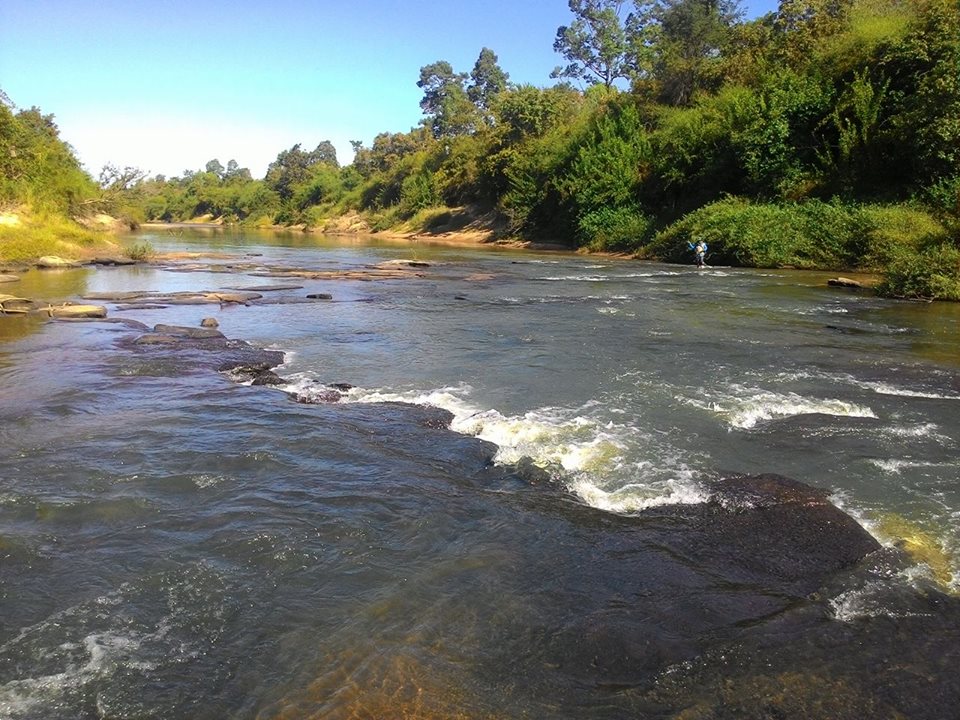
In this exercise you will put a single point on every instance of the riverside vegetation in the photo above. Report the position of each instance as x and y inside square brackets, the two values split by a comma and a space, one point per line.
[824, 135]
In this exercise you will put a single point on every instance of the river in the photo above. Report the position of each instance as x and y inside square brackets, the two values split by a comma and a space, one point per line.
[177, 545]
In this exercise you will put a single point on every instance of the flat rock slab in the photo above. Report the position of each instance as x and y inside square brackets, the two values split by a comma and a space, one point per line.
[9, 278]
[846, 283]
[268, 288]
[189, 352]
[111, 261]
[291, 301]
[201, 297]
[77, 311]
[117, 296]
[10, 304]
[53, 261]
[188, 332]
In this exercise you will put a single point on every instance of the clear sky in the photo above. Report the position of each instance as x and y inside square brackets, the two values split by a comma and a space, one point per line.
[166, 85]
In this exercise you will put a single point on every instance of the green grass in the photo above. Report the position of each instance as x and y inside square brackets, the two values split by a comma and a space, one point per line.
[42, 234]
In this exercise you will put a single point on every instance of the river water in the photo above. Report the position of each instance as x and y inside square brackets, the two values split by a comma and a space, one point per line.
[177, 545]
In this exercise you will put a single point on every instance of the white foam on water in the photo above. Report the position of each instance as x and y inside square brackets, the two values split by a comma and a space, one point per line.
[592, 453]
[98, 657]
[886, 388]
[575, 278]
[883, 388]
[821, 309]
[895, 466]
[206, 480]
[634, 497]
[923, 430]
[872, 600]
[743, 408]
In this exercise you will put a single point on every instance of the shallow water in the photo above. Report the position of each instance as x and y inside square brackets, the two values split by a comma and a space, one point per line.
[177, 545]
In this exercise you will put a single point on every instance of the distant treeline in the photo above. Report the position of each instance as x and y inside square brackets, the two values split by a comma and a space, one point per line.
[826, 134]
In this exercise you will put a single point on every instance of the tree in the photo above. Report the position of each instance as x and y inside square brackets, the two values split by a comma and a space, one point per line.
[325, 153]
[235, 173]
[214, 166]
[694, 34]
[595, 44]
[487, 80]
[527, 111]
[292, 167]
[445, 101]
[802, 23]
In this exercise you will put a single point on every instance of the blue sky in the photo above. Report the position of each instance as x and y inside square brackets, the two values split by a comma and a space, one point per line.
[168, 85]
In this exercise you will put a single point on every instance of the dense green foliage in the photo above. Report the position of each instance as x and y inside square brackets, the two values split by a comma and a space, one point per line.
[826, 134]
[43, 189]
[36, 166]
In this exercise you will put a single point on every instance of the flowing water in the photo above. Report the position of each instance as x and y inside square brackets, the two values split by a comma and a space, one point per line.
[177, 545]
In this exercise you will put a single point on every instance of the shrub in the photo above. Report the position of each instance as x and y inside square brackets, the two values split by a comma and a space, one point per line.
[931, 273]
[140, 251]
[613, 229]
[811, 234]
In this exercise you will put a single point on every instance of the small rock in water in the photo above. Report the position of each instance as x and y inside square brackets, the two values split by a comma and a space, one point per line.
[844, 282]
[209, 322]
[342, 387]
[52, 261]
[77, 311]
[317, 397]
[9, 278]
[255, 374]
[320, 296]
[187, 332]
[528, 471]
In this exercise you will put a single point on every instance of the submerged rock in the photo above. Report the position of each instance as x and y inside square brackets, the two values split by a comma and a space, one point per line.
[188, 332]
[782, 529]
[255, 374]
[9, 278]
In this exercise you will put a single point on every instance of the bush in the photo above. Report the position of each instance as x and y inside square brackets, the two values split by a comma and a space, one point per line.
[741, 233]
[140, 251]
[931, 273]
[810, 234]
[613, 229]
[894, 230]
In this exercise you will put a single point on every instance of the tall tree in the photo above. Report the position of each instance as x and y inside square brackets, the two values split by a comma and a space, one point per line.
[595, 44]
[694, 34]
[445, 101]
[487, 80]
[214, 166]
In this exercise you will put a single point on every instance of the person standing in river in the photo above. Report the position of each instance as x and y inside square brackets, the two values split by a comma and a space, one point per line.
[699, 252]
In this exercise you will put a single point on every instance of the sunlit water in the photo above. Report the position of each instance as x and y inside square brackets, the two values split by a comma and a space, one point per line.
[177, 545]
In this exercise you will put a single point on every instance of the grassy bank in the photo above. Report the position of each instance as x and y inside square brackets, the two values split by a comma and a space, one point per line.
[26, 236]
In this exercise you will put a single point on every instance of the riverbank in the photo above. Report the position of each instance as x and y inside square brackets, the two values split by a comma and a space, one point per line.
[913, 254]
[28, 236]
